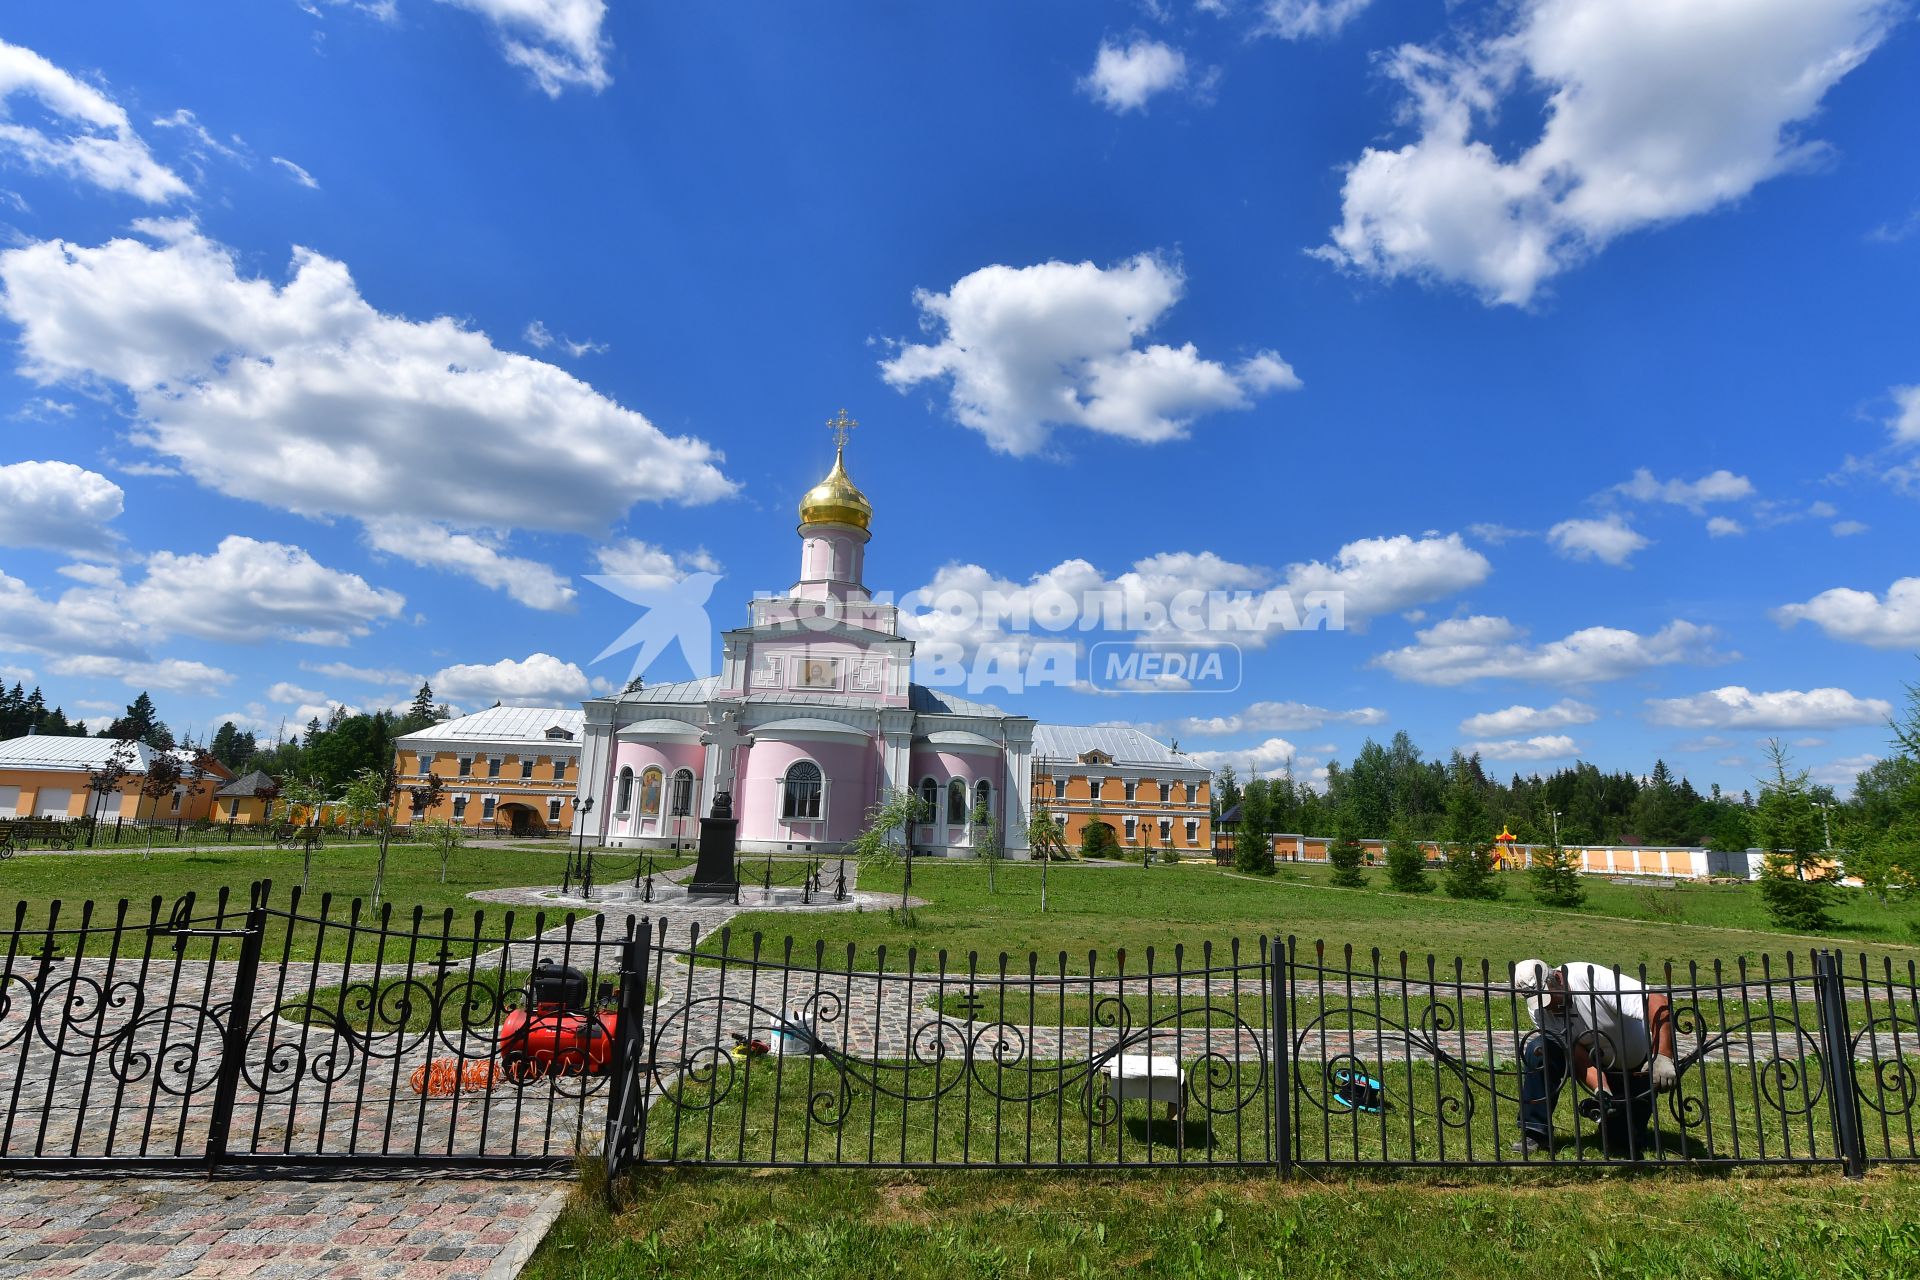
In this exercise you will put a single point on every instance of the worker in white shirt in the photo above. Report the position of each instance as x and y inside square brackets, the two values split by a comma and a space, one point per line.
[1607, 1027]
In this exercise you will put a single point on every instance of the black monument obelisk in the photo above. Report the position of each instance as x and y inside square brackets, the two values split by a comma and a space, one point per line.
[713, 875]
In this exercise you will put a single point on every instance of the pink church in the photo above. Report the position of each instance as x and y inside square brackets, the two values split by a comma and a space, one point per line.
[820, 682]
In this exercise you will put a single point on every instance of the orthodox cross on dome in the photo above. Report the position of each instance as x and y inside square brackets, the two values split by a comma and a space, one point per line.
[840, 424]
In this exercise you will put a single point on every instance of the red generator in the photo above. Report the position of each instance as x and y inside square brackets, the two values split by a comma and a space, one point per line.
[559, 1033]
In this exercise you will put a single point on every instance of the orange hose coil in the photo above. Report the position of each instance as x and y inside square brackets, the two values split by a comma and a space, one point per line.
[444, 1077]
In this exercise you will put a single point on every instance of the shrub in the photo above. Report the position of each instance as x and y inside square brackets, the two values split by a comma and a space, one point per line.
[1098, 841]
[1346, 856]
[1407, 863]
[1556, 882]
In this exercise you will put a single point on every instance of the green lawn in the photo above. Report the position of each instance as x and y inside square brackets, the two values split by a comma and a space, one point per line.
[1097, 913]
[344, 871]
[691, 1225]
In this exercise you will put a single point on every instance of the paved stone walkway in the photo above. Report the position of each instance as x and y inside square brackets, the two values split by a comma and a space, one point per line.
[116, 1229]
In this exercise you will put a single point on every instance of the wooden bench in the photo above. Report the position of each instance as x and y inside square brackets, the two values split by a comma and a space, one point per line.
[52, 832]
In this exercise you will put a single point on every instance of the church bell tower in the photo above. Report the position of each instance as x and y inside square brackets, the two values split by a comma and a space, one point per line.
[835, 522]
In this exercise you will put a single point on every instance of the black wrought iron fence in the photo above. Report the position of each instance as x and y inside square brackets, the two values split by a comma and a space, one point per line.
[242, 1032]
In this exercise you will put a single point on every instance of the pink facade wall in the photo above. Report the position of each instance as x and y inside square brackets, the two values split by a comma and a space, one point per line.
[669, 758]
[943, 765]
[850, 769]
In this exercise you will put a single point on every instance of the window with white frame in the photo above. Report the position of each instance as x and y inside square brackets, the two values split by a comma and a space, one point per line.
[176, 802]
[1131, 822]
[486, 809]
[1193, 793]
[493, 766]
[526, 767]
[1193, 831]
[553, 808]
[459, 808]
[1129, 789]
[623, 794]
[1166, 792]
[983, 798]
[466, 766]
[929, 799]
[683, 793]
[1095, 786]
[560, 769]
[1166, 830]
[1059, 788]
[800, 792]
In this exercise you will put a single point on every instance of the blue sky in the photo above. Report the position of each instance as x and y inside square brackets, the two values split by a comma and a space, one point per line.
[1574, 340]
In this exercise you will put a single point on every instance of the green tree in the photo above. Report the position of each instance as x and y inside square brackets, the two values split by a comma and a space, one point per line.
[1253, 836]
[1346, 855]
[368, 800]
[351, 747]
[443, 837]
[880, 842]
[141, 723]
[1046, 841]
[162, 778]
[986, 841]
[1555, 879]
[1796, 876]
[1469, 835]
[1097, 839]
[1407, 860]
[301, 801]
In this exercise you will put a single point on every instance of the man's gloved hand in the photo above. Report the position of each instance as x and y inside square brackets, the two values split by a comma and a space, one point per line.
[1664, 1076]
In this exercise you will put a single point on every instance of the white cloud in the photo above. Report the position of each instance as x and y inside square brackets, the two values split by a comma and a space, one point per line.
[305, 397]
[1609, 538]
[1031, 348]
[539, 681]
[365, 675]
[558, 42]
[1519, 719]
[1268, 717]
[285, 691]
[1304, 19]
[1848, 528]
[58, 507]
[248, 591]
[540, 338]
[1736, 707]
[1498, 534]
[1861, 617]
[1654, 111]
[1715, 486]
[94, 140]
[1906, 425]
[649, 567]
[474, 555]
[297, 173]
[1842, 773]
[201, 144]
[1545, 747]
[1375, 576]
[1460, 650]
[174, 675]
[83, 620]
[1722, 527]
[1385, 575]
[1124, 77]
[1269, 756]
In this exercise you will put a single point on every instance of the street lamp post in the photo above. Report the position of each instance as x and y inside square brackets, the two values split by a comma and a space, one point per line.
[581, 808]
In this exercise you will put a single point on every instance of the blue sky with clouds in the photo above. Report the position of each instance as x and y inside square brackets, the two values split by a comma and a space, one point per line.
[1573, 340]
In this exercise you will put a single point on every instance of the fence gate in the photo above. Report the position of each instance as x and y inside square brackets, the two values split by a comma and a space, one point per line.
[229, 1035]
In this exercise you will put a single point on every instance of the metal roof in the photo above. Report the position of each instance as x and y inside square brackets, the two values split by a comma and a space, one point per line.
[940, 703]
[45, 751]
[1125, 744]
[506, 725]
[248, 784]
[679, 691]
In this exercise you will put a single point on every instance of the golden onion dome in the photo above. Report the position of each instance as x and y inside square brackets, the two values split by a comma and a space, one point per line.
[837, 500]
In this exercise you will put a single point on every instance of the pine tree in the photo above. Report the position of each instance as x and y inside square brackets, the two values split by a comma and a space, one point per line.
[225, 738]
[1555, 880]
[1469, 836]
[1346, 855]
[1253, 837]
[1407, 861]
[1796, 876]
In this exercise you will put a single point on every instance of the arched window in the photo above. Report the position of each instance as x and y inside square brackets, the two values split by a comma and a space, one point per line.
[623, 797]
[929, 799]
[983, 798]
[957, 801]
[800, 791]
[650, 783]
[683, 793]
